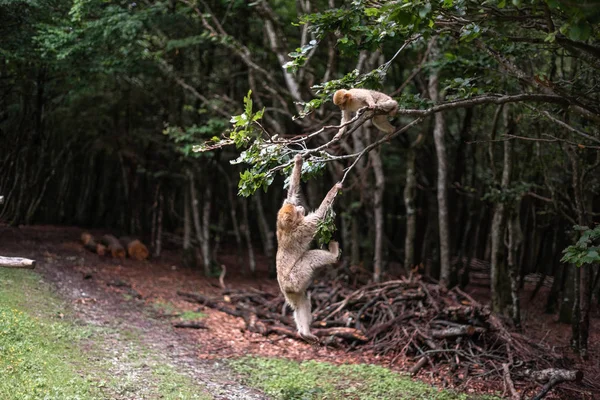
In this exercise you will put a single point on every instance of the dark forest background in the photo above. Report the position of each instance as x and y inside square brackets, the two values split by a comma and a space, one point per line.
[106, 108]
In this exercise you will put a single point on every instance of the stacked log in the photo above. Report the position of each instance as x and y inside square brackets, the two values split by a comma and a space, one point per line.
[90, 243]
[118, 248]
[135, 248]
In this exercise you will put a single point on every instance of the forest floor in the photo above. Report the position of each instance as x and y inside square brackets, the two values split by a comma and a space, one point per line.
[141, 298]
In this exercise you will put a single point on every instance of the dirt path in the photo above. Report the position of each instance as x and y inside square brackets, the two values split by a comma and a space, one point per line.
[135, 343]
[128, 318]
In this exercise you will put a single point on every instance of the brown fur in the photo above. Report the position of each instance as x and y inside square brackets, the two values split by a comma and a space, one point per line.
[295, 262]
[353, 100]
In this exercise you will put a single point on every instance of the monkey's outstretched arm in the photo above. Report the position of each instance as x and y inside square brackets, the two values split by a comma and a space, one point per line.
[327, 202]
[294, 186]
[346, 116]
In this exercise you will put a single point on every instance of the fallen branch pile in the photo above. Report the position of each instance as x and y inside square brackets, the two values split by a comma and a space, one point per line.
[408, 318]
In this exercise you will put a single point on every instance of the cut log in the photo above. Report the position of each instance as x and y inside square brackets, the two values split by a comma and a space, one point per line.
[454, 331]
[101, 249]
[16, 262]
[135, 248]
[547, 375]
[552, 377]
[86, 238]
[113, 245]
[90, 243]
[190, 325]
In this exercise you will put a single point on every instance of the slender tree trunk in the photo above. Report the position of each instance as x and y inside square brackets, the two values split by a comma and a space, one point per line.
[159, 225]
[378, 214]
[500, 276]
[429, 250]
[554, 297]
[200, 230]
[515, 238]
[246, 231]
[355, 251]
[187, 223]
[233, 214]
[447, 277]
[576, 320]
[267, 235]
[205, 243]
[189, 257]
[410, 192]
[583, 277]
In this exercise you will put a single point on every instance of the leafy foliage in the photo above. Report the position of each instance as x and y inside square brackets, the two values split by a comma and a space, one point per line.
[326, 228]
[587, 248]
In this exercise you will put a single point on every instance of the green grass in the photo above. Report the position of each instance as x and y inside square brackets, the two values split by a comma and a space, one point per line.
[38, 357]
[170, 309]
[191, 316]
[172, 385]
[290, 380]
[46, 354]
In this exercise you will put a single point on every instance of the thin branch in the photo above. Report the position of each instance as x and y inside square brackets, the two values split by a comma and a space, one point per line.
[408, 41]
[416, 70]
[168, 69]
[563, 124]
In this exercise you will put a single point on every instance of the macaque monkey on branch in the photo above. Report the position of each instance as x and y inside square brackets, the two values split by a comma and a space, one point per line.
[296, 264]
[354, 99]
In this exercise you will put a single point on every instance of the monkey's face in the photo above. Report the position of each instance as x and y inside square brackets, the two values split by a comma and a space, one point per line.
[340, 98]
[289, 216]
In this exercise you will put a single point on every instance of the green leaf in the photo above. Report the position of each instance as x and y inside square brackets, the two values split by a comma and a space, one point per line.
[580, 31]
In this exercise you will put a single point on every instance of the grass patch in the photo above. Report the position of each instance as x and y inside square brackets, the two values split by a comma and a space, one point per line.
[287, 380]
[44, 354]
[191, 316]
[166, 308]
[172, 385]
[37, 355]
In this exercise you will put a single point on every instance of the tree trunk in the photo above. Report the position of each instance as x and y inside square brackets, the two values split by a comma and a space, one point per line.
[447, 277]
[378, 214]
[410, 192]
[583, 277]
[159, 225]
[233, 214]
[205, 243]
[267, 235]
[565, 314]
[245, 228]
[515, 238]
[200, 230]
[188, 256]
[501, 287]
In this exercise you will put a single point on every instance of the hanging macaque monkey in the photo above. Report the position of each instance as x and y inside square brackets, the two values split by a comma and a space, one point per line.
[353, 100]
[296, 264]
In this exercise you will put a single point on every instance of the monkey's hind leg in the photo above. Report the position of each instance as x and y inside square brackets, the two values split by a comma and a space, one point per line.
[300, 302]
[381, 122]
[299, 278]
